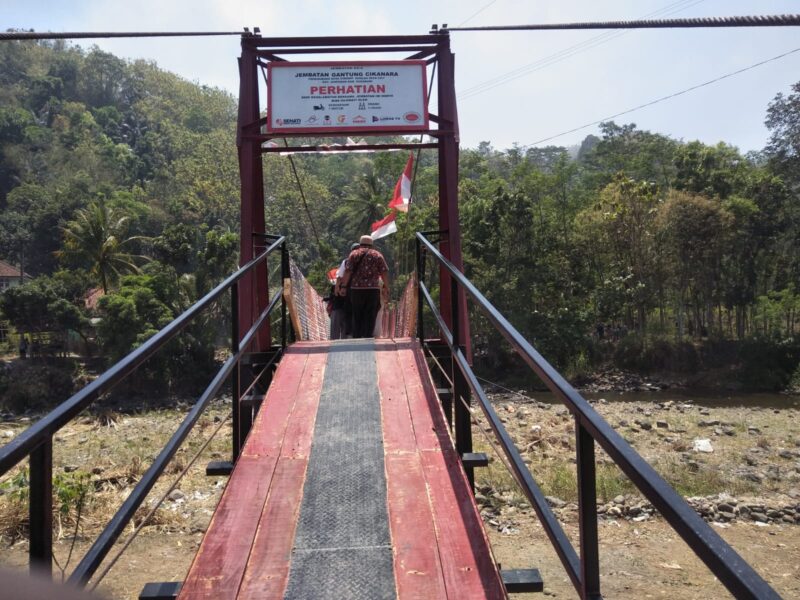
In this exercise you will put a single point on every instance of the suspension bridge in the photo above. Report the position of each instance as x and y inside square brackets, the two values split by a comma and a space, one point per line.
[352, 466]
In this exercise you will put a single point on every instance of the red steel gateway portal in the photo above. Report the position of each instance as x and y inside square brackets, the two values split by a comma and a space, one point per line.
[284, 98]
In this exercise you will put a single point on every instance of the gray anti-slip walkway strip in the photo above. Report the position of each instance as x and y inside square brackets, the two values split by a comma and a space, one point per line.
[342, 546]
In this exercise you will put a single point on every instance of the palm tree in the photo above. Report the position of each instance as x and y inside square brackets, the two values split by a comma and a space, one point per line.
[98, 238]
[365, 203]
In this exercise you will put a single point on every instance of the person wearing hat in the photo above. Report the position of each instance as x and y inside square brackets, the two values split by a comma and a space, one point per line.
[365, 268]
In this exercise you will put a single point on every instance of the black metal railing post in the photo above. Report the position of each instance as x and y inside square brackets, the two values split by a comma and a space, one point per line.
[285, 274]
[420, 299]
[40, 506]
[236, 421]
[463, 423]
[587, 513]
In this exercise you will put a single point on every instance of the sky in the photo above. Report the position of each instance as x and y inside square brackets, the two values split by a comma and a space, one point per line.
[512, 87]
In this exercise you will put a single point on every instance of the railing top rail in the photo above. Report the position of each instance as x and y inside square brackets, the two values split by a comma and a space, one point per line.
[28, 440]
[733, 571]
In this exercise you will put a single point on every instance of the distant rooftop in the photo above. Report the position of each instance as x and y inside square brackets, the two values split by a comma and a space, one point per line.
[9, 270]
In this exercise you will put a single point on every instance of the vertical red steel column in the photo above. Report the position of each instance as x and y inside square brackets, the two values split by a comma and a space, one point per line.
[448, 187]
[253, 293]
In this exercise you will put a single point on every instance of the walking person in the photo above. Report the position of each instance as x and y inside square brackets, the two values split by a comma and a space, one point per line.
[365, 268]
[340, 313]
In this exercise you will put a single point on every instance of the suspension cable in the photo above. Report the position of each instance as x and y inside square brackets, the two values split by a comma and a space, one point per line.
[67, 35]
[303, 196]
[157, 505]
[501, 457]
[441, 368]
[694, 22]
[497, 385]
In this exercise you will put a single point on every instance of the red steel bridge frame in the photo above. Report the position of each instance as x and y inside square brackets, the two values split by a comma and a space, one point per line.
[257, 52]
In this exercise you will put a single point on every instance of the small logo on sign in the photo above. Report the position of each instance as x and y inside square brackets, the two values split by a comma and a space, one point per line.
[311, 119]
[319, 107]
[341, 118]
[327, 120]
[359, 119]
[411, 117]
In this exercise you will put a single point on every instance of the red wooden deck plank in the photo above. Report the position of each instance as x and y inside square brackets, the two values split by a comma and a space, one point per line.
[300, 428]
[430, 426]
[266, 436]
[437, 533]
[268, 568]
[220, 562]
[467, 563]
[398, 432]
[417, 570]
[282, 425]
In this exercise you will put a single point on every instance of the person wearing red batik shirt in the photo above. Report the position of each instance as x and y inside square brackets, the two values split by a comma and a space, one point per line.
[365, 268]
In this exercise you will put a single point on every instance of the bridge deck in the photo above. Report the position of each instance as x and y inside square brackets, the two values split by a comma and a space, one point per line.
[347, 487]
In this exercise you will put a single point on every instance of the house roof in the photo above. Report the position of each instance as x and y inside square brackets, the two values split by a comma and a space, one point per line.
[9, 270]
[91, 297]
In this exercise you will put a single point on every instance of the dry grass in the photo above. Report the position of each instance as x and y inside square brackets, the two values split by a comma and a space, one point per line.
[112, 451]
[546, 439]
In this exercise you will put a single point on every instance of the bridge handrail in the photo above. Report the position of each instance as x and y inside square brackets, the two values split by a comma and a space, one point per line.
[723, 561]
[36, 441]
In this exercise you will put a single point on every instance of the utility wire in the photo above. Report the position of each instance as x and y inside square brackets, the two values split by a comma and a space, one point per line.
[476, 13]
[568, 52]
[67, 35]
[738, 21]
[656, 101]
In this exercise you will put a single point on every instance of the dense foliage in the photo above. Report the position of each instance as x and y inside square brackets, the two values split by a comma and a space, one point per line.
[634, 247]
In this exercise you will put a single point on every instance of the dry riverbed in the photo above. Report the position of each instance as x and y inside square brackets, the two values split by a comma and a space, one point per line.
[747, 487]
[739, 467]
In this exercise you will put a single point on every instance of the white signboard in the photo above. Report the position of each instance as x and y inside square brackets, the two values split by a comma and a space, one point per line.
[331, 96]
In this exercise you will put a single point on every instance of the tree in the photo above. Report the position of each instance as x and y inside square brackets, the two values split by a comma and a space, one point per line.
[641, 155]
[710, 170]
[695, 230]
[783, 120]
[97, 239]
[622, 225]
[44, 304]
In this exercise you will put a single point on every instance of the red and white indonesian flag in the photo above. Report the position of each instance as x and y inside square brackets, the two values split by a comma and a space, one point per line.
[332, 274]
[386, 226]
[402, 190]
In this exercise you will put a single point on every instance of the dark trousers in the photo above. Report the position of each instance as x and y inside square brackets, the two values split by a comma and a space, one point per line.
[365, 304]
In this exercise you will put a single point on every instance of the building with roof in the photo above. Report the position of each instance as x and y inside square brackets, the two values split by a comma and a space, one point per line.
[11, 275]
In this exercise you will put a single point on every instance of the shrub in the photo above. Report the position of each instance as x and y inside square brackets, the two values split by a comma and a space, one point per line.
[31, 386]
[768, 364]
